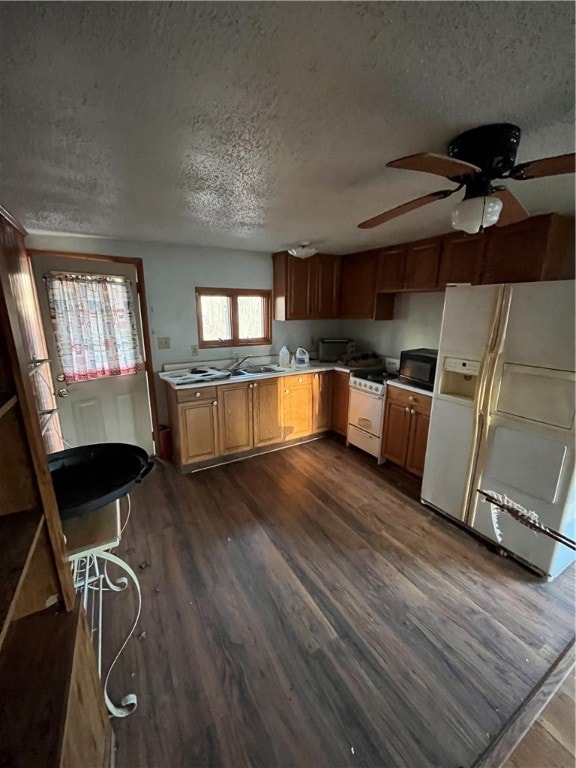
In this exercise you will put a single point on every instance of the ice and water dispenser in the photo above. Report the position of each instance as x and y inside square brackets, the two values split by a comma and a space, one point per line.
[459, 377]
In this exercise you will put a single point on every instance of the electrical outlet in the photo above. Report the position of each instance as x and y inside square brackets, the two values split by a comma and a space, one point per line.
[195, 349]
[163, 342]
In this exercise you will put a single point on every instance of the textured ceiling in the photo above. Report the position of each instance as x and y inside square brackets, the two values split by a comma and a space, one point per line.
[258, 125]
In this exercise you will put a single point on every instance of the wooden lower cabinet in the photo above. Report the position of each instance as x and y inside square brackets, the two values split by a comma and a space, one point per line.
[406, 424]
[239, 416]
[194, 421]
[297, 406]
[340, 396]
[321, 401]
[235, 417]
[266, 412]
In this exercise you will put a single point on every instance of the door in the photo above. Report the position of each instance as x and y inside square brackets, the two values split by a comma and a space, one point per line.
[366, 412]
[340, 397]
[266, 408]
[235, 406]
[422, 262]
[417, 440]
[396, 426]
[112, 408]
[297, 407]
[326, 285]
[199, 431]
[322, 401]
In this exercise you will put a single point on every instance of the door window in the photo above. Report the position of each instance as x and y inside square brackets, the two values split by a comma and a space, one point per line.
[94, 325]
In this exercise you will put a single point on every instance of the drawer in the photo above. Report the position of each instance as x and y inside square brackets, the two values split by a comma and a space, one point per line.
[196, 395]
[406, 397]
[295, 381]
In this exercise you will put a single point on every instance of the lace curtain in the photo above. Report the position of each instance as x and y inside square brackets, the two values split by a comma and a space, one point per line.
[94, 325]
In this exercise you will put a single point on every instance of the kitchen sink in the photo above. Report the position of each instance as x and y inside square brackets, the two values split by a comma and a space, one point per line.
[238, 372]
[262, 369]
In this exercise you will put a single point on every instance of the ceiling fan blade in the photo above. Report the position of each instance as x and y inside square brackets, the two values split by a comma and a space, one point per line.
[547, 166]
[441, 165]
[512, 210]
[382, 218]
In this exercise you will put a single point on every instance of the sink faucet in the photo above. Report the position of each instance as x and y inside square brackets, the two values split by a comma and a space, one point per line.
[238, 363]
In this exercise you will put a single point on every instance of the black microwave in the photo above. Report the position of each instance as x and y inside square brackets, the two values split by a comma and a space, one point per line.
[418, 367]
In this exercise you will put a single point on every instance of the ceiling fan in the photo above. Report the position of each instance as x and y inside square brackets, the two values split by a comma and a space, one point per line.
[475, 160]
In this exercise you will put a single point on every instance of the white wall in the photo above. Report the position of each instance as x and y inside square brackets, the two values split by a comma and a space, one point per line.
[417, 321]
[172, 272]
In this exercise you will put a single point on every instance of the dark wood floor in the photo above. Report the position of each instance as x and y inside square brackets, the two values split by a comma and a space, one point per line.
[300, 611]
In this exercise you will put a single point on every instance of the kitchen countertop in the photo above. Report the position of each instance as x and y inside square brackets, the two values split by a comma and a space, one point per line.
[315, 368]
[409, 387]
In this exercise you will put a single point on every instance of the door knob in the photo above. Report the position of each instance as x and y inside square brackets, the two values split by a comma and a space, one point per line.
[63, 392]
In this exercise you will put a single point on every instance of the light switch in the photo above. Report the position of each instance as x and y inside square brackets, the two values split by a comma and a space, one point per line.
[163, 342]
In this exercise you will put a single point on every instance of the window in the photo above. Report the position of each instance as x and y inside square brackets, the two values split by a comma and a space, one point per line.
[233, 317]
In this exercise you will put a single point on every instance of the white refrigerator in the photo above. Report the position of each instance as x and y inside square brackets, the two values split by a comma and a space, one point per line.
[503, 413]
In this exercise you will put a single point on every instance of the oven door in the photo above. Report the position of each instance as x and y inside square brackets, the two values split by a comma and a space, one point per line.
[366, 412]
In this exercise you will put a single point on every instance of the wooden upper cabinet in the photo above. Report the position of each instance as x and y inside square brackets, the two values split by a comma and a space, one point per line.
[539, 248]
[358, 285]
[422, 263]
[299, 297]
[325, 285]
[305, 289]
[391, 267]
[461, 258]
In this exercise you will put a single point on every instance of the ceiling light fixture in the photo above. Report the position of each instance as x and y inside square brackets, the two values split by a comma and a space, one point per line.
[476, 213]
[303, 251]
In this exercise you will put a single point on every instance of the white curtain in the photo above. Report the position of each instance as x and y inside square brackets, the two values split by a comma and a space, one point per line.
[94, 325]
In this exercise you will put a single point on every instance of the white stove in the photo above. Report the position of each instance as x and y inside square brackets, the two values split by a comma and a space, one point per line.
[366, 410]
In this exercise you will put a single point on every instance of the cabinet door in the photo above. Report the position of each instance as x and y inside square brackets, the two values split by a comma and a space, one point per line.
[417, 440]
[358, 285]
[391, 266]
[235, 417]
[422, 261]
[461, 258]
[198, 424]
[522, 252]
[297, 406]
[325, 286]
[322, 401]
[299, 297]
[266, 409]
[396, 430]
[340, 395]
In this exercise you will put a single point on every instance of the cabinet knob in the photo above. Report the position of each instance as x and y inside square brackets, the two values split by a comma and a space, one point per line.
[412, 411]
[255, 384]
[411, 397]
[250, 386]
[198, 394]
[315, 375]
[407, 409]
[300, 379]
[286, 391]
[214, 402]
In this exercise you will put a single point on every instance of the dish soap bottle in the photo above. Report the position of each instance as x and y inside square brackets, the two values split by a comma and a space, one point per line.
[284, 357]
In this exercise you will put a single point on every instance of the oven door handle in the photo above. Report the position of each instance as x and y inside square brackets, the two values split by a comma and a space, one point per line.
[366, 394]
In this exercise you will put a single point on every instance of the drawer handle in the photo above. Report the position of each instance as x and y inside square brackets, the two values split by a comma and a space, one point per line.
[198, 394]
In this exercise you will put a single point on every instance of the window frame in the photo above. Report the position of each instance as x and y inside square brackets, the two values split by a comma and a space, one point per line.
[233, 294]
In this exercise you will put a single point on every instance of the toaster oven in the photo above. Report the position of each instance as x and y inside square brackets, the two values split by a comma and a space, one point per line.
[331, 350]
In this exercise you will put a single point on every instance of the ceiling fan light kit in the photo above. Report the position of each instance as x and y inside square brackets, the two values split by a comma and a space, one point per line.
[303, 251]
[475, 159]
[476, 213]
